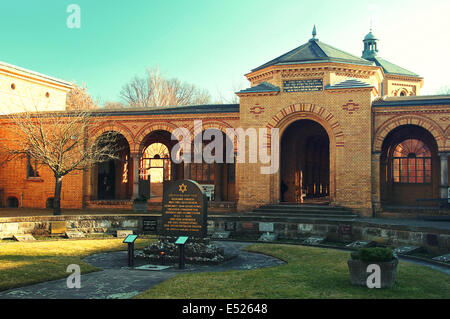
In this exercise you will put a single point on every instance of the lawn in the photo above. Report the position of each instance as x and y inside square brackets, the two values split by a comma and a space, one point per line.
[309, 273]
[25, 263]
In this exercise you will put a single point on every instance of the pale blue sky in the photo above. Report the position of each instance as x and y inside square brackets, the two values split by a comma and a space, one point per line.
[212, 44]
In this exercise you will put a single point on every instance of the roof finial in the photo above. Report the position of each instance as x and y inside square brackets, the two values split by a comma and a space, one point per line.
[314, 32]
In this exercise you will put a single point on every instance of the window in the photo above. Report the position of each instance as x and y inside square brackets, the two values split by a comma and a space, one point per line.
[202, 173]
[156, 163]
[412, 162]
[32, 167]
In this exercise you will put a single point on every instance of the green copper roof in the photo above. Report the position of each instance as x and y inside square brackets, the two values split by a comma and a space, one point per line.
[315, 51]
[390, 68]
[370, 36]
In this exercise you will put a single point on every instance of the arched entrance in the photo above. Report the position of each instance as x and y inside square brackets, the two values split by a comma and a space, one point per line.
[409, 167]
[155, 166]
[305, 163]
[112, 178]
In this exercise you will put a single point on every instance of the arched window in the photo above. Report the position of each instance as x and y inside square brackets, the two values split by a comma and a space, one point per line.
[412, 162]
[156, 163]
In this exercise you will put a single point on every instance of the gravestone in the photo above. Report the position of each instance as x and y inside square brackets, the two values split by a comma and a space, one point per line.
[184, 210]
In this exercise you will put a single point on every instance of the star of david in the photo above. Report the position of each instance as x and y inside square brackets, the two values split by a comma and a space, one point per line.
[183, 188]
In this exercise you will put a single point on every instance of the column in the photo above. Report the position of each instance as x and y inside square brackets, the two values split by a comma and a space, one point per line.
[443, 182]
[135, 158]
[187, 170]
[218, 187]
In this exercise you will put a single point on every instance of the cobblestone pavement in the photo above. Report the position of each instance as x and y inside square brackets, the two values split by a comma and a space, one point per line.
[116, 281]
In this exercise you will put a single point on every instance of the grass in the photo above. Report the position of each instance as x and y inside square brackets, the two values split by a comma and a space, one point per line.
[310, 272]
[26, 263]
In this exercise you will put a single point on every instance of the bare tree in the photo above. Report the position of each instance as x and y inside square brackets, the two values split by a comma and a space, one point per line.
[79, 99]
[156, 90]
[443, 90]
[113, 105]
[58, 140]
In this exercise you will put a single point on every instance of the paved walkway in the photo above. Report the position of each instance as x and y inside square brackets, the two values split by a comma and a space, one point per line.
[118, 281]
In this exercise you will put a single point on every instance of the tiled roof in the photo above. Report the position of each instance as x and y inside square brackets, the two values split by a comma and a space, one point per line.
[260, 88]
[190, 109]
[315, 51]
[348, 84]
[391, 68]
[412, 100]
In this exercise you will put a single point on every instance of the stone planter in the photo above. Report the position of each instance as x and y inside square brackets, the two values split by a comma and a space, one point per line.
[140, 206]
[359, 274]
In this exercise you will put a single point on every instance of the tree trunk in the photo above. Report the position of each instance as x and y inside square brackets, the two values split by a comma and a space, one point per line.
[57, 196]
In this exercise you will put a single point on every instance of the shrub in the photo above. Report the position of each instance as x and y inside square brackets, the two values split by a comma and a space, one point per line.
[373, 254]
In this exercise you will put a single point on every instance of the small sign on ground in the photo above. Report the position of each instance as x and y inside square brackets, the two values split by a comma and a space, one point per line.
[25, 237]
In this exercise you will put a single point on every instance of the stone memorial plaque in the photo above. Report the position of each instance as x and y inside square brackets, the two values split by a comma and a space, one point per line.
[149, 225]
[308, 85]
[405, 250]
[361, 244]
[74, 234]
[314, 240]
[221, 235]
[266, 227]
[58, 227]
[184, 211]
[123, 233]
[24, 237]
[268, 237]
[443, 258]
[345, 229]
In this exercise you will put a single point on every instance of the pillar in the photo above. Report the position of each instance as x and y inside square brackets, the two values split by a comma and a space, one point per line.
[218, 186]
[135, 158]
[443, 182]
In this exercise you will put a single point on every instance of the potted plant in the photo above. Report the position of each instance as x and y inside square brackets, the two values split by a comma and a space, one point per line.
[361, 259]
[140, 203]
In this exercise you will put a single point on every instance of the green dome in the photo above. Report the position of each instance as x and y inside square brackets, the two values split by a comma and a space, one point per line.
[370, 36]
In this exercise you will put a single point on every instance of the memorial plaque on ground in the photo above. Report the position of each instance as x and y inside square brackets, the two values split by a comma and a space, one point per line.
[123, 233]
[184, 211]
[24, 237]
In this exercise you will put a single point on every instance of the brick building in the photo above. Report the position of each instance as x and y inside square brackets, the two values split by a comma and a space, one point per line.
[353, 132]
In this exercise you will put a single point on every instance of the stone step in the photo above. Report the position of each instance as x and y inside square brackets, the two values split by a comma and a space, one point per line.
[276, 211]
[306, 215]
[308, 211]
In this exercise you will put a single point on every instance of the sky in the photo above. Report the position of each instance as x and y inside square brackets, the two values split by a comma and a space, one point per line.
[213, 43]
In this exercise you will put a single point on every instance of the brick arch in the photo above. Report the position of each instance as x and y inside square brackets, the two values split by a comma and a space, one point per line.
[151, 127]
[308, 111]
[113, 127]
[447, 139]
[214, 124]
[319, 114]
[425, 123]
